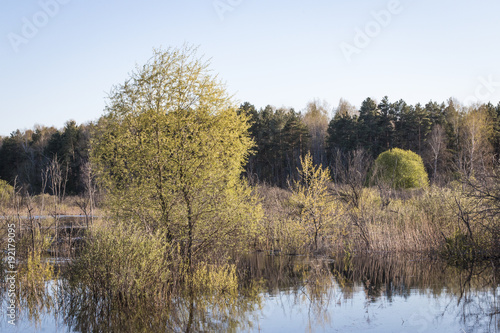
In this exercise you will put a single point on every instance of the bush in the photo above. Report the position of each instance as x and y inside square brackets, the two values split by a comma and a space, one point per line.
[6, 191]
[126, 261]
[400, 169]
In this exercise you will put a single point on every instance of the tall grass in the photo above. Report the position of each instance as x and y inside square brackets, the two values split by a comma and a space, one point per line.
[429, 221]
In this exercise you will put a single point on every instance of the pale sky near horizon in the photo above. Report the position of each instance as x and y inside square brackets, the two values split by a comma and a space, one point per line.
[62, 57]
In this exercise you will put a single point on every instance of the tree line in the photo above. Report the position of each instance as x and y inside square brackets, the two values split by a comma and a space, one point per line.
[31, 158]
[451, 139]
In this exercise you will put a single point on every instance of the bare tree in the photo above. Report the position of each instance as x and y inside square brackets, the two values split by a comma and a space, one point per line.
[437, 147]
[476, 150]
[345, 108]
[480, 214]
[86, 202]
[57, 185]
[58, 178]
[316, 119]
[350, 171]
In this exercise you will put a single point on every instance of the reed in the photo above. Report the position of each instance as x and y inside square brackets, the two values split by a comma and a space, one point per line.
[436, 221]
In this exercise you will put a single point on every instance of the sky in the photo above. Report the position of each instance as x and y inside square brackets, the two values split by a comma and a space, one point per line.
[61, 58]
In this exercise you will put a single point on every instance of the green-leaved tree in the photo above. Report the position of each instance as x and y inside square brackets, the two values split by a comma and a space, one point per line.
[400, 169]
[317, 210]
[170, 151]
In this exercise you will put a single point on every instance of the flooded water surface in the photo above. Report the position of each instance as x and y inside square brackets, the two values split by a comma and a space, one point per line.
[280, 293]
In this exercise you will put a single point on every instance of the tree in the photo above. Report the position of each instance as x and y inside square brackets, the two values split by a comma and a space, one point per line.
[386, 123]
[345, 109]
[421, 124]
[435, 112]
[400, 169]
[494, 138]
[453, 118]
[403, 115]
[437, 148]
[370, 133]
[170, 151]
[316, 207]
[281, 139]
[71, 147]
[316, 120]
[296, 140]
[349, 172]
[18, 160]
[342, 132]
[475, 147]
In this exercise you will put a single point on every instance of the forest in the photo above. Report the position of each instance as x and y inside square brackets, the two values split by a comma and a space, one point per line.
[452, 140]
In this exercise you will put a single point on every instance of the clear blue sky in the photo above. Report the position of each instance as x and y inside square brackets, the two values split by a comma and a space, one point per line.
[282, 53]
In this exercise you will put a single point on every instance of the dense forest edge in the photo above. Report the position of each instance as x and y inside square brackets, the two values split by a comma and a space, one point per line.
[177, 183]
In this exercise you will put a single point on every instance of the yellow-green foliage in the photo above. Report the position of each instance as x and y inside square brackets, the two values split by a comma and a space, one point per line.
[126, 261]
[317, 211]
[35, 272]
[6, 191]
[33, 277]
[170, 152]
[218, 282]
[400, 169]
[144, 281]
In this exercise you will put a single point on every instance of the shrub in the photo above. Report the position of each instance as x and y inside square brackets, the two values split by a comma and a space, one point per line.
[126, 261]
[6, 191]
[316, 210]
[400, 169]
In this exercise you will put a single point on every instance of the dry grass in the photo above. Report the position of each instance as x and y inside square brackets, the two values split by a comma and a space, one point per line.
[417, 224]
[43, 205]
[384, 221]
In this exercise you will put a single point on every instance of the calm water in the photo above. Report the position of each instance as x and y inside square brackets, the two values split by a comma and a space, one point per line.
[297, 294]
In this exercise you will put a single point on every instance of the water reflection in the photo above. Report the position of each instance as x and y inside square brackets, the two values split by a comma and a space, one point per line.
[86, 313]
[290, 294]
[450, 297]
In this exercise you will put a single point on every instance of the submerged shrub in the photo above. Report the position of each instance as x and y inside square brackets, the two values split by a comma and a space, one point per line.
[34, 276]
[125, 262]
[134, 266]
[216, 284]
[400, 169]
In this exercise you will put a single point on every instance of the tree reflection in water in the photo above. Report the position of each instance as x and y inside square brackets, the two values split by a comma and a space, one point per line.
[86, 312]
[469, 296]
[470, 293]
